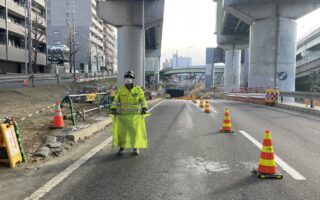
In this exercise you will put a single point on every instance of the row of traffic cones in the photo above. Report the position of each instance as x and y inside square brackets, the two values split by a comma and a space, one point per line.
[267, 165]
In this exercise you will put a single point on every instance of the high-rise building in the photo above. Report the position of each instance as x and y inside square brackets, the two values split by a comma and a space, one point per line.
[94, 49]
[180, 61]
[166, 64]
[13, 33]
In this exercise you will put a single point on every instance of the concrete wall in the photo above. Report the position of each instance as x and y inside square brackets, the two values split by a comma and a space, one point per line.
[3, 52]
[16, 54]
[8, 67]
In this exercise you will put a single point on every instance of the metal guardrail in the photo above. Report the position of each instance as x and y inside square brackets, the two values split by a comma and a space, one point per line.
[79, 77]
[311, 96]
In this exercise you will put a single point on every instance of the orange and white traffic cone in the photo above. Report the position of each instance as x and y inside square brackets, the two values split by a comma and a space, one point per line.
[267, 165]
[58, 119]
[201, 103]
[207, 107]
[25, 82]
[227, 125]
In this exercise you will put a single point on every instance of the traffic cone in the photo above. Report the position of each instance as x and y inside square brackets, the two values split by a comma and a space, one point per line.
[207, 107]
[201, 103]
[25, 82]
[227, 125]
[58, 119]
[194, 99]
[267, 165]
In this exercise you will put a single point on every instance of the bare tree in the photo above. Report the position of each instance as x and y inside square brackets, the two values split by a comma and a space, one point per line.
[314, 78]
[97, 56]
[73, 47]
[39, 35]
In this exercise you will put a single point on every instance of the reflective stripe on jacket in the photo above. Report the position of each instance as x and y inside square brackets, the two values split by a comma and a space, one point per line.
[131, 101]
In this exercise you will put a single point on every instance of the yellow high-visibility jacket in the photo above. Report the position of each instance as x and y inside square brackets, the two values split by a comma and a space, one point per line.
[131, 101]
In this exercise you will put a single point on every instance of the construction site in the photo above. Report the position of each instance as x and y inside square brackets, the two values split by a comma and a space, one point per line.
[34, 108]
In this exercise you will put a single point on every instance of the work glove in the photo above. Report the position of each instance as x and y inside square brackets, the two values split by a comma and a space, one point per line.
[143, 111]
[113, 111]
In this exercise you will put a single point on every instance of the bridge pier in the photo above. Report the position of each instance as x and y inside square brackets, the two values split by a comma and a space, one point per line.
[130, 53]
[139, 26]
[232, 70]
[273, 53]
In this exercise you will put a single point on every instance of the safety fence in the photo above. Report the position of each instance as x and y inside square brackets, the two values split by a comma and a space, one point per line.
[307, 98]
[16, 78]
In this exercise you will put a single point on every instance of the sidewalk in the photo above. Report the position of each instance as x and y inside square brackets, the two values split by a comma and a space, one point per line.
[299, 107]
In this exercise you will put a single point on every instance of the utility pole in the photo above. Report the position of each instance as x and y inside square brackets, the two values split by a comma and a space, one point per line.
[26, 37]
[73, 42]
[28, 5]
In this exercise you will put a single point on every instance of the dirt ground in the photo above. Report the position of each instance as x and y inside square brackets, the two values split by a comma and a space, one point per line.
[20, 103]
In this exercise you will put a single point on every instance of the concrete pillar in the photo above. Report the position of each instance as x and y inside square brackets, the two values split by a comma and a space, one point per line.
[272, 51]
[130, 53]
[209, 77]
[232, 70]
[245, 69]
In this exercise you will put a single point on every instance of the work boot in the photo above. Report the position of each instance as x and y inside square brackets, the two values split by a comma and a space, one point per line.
[120, 152]
[135, 151]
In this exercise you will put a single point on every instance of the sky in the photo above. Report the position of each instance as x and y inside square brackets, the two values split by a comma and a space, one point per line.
[189, 27]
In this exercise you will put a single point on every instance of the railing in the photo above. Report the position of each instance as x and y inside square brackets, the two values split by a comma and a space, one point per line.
[308, 35]
[311, 96]
[309, 58]
[42, 77]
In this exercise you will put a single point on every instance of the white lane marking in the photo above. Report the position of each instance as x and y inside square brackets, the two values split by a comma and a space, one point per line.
[70, 169]
[155, 106]
[292, 172]
[290, 112]
[65, 173]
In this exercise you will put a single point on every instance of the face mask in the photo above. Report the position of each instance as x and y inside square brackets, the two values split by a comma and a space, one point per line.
[128, 80]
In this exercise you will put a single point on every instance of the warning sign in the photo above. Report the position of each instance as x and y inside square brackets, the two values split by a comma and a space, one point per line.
[9, 141]
[91, 97]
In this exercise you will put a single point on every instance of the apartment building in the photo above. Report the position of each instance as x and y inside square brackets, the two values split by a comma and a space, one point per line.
[12, 35]
[94, 40]
[109, 47]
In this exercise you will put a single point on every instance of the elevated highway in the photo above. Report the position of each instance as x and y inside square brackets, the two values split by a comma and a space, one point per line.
[172, 71]
[308, 59]
[268, 28]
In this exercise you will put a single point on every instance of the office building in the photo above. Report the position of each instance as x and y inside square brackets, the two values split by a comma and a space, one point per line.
[93, 40]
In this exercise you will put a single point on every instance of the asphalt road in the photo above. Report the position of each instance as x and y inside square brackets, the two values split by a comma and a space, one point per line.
[189, 159]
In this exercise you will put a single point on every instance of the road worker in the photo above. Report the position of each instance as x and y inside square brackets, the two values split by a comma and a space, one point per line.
[129, 109]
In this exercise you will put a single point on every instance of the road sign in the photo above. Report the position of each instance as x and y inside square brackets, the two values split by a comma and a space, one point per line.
[282, 76]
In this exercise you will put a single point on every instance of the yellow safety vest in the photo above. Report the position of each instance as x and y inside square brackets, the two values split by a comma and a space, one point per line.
[131, 101]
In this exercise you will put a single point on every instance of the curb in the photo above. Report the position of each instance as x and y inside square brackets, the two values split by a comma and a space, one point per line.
[89, 131]
[299, 109]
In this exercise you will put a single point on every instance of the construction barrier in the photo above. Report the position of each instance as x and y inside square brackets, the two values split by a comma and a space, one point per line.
[271, 96]
[9, 145]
